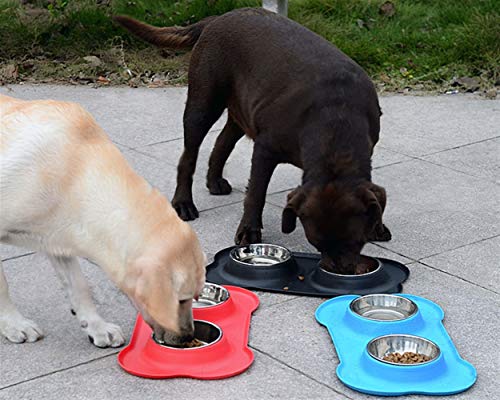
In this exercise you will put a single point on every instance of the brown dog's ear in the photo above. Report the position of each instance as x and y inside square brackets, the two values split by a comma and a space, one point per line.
[290, 212]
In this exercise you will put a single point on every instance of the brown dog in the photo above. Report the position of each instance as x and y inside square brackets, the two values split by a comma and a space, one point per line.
[303, 102]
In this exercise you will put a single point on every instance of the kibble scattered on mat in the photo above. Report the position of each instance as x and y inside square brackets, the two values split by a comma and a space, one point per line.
[407, 357]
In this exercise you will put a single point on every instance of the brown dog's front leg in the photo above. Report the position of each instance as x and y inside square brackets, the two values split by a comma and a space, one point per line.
[198, 118]
[224, 145]
[263, 165]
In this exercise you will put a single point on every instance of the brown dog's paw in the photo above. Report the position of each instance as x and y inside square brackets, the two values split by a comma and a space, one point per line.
[246, 235]
[186, 210]
[219, 187]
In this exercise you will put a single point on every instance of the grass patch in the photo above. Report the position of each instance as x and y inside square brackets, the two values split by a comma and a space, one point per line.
[423, 44]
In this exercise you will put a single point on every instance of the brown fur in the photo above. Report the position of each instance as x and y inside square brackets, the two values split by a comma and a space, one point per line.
[303, 102]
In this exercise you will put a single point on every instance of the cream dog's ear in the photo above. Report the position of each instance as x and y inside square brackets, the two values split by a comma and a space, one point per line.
[152, 289]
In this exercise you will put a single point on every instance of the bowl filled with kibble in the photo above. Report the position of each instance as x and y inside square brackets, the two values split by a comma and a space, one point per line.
[205, 334]
[403, 350]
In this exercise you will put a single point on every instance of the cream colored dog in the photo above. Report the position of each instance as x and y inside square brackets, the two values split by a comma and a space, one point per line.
[66, 190]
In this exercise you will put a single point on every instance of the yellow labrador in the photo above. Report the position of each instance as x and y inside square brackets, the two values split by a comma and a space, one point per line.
[66, 190]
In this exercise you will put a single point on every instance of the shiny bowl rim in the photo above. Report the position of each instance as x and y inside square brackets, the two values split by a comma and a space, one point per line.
[193, 348]
[438, 355]
[218, 304]
[233, 251]
[379, 267]
[415, 310]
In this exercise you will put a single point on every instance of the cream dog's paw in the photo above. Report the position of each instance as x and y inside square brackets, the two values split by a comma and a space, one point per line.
[18, 329]
[103, 334]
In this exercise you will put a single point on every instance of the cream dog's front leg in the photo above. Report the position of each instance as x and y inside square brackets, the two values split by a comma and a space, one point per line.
[100, 332]
[13, 325]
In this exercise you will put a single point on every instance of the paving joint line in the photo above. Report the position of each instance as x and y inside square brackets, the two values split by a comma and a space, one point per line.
[168, 140]
[393, 163]
[223, 205]
[420, 158]
[160, 142]
[460, 146]
[18, 256]
[459, 277]
[58, 371]
[458, 247]
[459, 171]
[419, 261]
[279, 303]
[300, 372]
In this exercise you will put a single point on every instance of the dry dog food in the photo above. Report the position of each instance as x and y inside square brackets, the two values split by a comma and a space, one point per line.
[364, 268]
[193, 343]
[407, 357]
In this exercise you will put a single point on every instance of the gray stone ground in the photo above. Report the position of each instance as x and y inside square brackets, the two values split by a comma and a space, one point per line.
[439, 159]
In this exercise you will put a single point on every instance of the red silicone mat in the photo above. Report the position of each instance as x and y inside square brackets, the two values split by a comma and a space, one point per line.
[228, 357]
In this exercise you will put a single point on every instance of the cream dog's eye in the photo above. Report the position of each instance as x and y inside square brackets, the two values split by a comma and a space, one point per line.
[185, 301]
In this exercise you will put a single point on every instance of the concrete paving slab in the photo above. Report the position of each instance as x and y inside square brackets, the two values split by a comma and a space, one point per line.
[131, 117]
[38, 294]
[7, 251]
[228, 218]
[163, 177]
[446, 214]
[237, 170]
[432, 209]
[471, 318]
[418, 126]
[103, 379]
[480, 159]
[476, 262]
[383, 157]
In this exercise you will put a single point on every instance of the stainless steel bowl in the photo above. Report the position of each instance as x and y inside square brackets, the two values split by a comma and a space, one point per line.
[211, 295]
[382, 346]
[383, 307]
[374, 262]
[204, 331]
[261, 254]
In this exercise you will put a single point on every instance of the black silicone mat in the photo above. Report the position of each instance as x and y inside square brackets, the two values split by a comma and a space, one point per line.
[302, 276]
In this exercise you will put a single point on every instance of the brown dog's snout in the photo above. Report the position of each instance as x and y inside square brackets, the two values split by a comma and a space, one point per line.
[341, 263]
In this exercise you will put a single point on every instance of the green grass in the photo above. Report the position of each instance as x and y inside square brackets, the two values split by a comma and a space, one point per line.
[424, 43]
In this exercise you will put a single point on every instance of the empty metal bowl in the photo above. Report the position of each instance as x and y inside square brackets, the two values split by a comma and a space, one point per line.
[383, 307]
[374, 263]
[204, 332]
[382, 346]
[211, 295]
[260, 255]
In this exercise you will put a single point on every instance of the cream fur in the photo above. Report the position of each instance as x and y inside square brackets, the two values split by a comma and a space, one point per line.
[66, 190]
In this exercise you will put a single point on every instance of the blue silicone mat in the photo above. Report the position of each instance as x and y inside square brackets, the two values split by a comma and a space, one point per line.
[448, 374]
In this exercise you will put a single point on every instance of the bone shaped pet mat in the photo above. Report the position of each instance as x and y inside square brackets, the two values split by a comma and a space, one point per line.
[371, 333]
[222, 322]
[275, 269]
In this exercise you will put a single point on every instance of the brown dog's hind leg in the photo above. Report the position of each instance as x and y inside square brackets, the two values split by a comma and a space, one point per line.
[263, 165]
[224, 145]
[199, 116]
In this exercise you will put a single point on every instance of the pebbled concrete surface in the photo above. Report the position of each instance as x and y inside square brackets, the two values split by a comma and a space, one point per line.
[438, 159]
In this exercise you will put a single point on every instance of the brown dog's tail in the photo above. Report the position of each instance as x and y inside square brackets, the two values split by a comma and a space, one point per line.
[171, 37]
